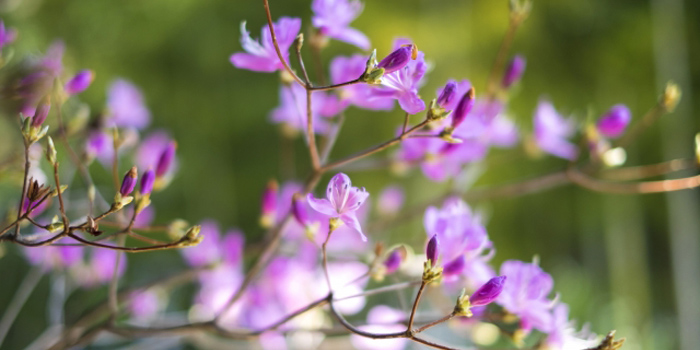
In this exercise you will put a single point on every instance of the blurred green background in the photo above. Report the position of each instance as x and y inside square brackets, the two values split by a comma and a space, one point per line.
[622, 262]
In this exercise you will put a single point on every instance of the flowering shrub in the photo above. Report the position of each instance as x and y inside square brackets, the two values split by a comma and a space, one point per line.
[322, 259]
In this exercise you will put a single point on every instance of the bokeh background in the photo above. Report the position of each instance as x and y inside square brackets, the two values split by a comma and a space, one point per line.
[622, 262]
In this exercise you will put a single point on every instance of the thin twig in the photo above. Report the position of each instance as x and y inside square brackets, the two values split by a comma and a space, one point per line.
[409, 328]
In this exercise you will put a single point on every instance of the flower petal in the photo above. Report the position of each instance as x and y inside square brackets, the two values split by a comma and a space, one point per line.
[322, 205]
[351, 220]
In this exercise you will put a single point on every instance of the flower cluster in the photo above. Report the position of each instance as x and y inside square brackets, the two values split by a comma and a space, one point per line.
[323, 256]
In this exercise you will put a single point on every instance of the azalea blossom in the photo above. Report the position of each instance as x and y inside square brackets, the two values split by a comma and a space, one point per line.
[403, 84]
[342, 201]
[263, 57]
[525, 294]
[333, 18]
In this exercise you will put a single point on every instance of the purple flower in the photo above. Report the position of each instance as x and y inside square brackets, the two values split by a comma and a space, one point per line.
[147, 181]
[463, 240]
[614, 123]
[79, 82]
[126, 107]
[342, 201]
[390, 200]
[432, 250]
[397, 59]
[552, 131]
[488, 292]
[361, 95]
[129, 182]
[269, 205]
[7, 36]
[514, 71]
[333, 17]
[292, 109]
[525, 294]
[403, 84]
[263, 58]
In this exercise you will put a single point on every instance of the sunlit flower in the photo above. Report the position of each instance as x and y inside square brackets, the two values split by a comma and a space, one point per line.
[342, 201]
[263, 57]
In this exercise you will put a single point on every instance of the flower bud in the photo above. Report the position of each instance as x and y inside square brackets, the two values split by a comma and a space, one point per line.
[431, 251]
[269, 205]
[51, 151]
[488, 292]
[79, 82]
[129, 182]
[514, 71]
[302, 216]
[394, 260]
[463, 108]
[615, 121]
[42, 111]
[147, 180]
[448, 94]
[166, 160]
[398, 59]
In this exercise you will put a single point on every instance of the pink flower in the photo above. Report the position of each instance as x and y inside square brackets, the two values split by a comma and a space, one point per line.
[333, 17]
[403, 84]
[263, 58]
[342, 201]
[552, 131]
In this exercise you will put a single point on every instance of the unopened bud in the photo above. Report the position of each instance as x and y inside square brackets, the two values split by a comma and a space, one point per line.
[448, 94]
[463, 108]
[431, 251]
[398, 59]
[193, 233]
[51, 151]
[79, 82]
[42, 111]
[55, 227]
[129, 182]
[147, 181]
[166, 160]
[697, 147]
[299, 41]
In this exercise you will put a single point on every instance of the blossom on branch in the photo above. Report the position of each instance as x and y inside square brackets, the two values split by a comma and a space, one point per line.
[342, 201]
[263, 57]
